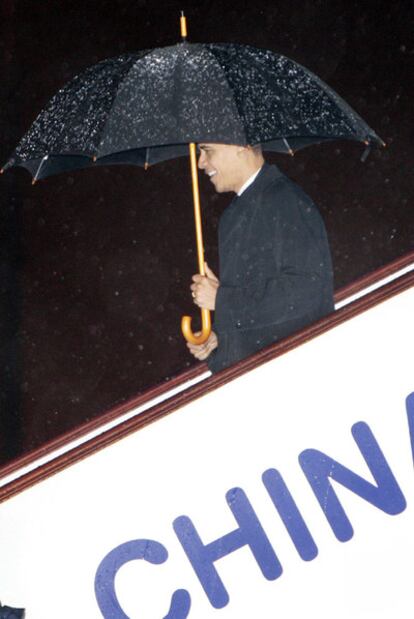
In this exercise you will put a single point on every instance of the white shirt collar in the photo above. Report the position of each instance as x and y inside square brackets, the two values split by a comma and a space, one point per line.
[249, 181]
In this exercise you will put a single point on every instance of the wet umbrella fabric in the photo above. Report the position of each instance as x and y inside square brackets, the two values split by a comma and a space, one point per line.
[145, 107]
[149, 106]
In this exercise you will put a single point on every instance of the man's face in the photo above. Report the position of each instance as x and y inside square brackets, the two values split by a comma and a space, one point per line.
[222, 164]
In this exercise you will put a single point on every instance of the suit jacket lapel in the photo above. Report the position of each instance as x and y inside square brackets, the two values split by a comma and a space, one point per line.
[239, 209]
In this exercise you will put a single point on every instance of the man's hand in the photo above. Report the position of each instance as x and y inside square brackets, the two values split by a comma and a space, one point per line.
[204, 289]
[202, 351]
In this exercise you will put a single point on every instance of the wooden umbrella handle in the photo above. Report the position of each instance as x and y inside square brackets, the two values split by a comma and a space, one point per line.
[205, 328]
[205, 314]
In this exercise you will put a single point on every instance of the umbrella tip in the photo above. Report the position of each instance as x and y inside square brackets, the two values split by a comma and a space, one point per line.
[7, 165]
[183, 26]
[379, 140]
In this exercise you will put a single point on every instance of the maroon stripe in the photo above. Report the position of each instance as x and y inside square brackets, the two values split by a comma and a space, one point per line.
[172, 404]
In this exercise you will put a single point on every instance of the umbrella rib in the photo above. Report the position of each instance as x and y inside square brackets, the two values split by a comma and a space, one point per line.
[289, 148]
[36, 176]
[236, 107]
[108, 116]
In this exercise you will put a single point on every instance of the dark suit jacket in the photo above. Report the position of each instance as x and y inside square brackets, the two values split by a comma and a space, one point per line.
[275, 268]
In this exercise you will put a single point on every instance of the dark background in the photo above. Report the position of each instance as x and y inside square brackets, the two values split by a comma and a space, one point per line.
[95, 265]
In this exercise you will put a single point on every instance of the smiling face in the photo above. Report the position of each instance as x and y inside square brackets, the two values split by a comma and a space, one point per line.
[224, 165]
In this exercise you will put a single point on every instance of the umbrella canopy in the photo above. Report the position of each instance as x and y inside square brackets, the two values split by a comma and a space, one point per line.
[145, 107]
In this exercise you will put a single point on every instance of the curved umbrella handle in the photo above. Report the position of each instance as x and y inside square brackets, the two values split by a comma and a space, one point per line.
[205, 314]
[205, 328]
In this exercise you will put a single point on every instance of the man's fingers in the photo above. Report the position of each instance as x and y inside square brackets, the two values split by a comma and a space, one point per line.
[199, 352]
[202, 351]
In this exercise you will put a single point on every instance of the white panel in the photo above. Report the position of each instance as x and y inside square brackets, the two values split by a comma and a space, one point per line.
[54, 535]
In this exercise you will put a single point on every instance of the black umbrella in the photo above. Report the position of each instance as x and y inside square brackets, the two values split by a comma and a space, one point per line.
[147, 107]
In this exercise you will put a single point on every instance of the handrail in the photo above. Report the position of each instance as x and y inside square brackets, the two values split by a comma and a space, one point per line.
[367, 280]
[200, 388]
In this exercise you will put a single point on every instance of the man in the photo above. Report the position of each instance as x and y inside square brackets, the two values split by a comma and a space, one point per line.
[275, 264]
